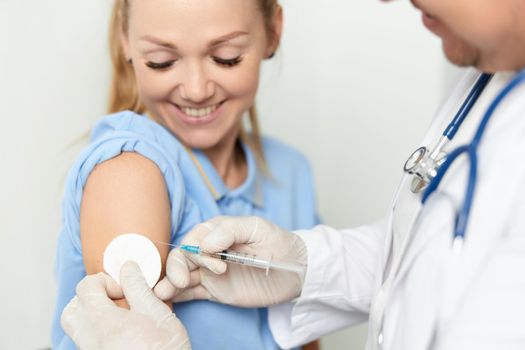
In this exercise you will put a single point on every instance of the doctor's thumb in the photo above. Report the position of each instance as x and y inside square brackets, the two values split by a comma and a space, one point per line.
[231, 231]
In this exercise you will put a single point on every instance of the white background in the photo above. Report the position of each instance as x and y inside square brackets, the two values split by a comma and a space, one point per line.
[354, 86]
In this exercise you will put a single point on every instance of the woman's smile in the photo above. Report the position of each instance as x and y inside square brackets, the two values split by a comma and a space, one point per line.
[198, 115]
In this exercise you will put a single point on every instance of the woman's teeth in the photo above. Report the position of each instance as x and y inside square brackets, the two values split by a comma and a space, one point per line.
[199, 112]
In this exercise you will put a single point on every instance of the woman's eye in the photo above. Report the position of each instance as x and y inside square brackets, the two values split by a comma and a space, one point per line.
[228, 62]
[160, 66]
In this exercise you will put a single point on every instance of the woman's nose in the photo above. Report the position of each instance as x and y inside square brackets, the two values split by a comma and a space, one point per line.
[196, 87]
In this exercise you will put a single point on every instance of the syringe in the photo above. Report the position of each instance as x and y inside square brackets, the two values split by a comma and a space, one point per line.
[240, 258]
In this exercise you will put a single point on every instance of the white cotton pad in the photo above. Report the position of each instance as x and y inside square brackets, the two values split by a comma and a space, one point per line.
[135, 247]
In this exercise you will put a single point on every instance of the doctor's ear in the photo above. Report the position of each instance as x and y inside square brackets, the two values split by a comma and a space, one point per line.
[275, 29]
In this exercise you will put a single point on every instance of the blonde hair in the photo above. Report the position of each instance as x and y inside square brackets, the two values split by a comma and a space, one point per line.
[124, 94]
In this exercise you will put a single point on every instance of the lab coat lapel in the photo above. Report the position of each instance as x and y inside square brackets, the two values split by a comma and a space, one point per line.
[400, 229]
[416, 279]
[405, 208]
[428, 247]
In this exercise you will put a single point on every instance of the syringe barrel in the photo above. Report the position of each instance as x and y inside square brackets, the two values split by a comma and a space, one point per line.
[242, 259]
[288, 266]
[252, 260]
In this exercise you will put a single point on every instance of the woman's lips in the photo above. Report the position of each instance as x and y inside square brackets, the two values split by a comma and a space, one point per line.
[198, 116]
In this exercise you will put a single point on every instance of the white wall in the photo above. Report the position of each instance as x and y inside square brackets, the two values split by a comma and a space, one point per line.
[354, 85]
[53, 77]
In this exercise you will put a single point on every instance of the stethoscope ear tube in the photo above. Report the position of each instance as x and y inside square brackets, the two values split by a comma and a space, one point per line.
[471, 99]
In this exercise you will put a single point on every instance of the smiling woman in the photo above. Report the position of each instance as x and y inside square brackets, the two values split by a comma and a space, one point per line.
[165, 51]
[174, 153]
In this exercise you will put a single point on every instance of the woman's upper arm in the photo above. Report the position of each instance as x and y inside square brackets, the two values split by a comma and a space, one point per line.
[122, 195]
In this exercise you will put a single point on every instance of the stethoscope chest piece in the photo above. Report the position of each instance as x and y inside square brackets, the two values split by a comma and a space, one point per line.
[424, 166]
[429, 167]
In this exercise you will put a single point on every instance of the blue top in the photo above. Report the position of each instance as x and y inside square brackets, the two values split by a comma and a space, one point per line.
[285, 196]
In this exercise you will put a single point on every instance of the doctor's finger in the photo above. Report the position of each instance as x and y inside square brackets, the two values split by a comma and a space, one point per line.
[215, 265]
[199, 231]
[178, 268]
[233, 230]
[196, 293]
[164, 290]
[180, 264]
[96, 291]
[139, 295]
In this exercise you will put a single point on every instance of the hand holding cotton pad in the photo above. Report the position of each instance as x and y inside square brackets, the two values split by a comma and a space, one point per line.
[135, 247]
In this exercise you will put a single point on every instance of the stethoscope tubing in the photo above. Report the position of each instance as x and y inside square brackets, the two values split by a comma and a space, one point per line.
[467, 105]
[471, 150]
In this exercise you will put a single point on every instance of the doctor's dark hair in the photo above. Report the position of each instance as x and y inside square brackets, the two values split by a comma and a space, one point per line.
[124, 93]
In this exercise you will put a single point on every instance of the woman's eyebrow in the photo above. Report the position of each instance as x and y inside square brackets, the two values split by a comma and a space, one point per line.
[159, 42]
[224, 38]
[212, 43]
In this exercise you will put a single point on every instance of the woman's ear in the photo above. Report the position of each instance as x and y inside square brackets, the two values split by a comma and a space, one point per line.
[275, 33]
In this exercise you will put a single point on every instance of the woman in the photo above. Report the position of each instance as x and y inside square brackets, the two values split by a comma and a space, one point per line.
[174, 152]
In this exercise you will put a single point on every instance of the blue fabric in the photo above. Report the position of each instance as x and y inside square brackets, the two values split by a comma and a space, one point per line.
[285, 196]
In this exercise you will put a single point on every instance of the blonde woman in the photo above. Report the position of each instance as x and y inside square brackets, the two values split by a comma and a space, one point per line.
[174, 153]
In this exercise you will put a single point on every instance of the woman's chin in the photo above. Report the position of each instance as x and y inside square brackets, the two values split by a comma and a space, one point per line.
[201, 141]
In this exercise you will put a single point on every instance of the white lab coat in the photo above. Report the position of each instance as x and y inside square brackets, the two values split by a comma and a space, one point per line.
[402, 273]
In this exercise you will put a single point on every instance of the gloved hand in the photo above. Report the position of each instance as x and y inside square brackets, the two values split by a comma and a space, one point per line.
[94, 321]
[190, 276]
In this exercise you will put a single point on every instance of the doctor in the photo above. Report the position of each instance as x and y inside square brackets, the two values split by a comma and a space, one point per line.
[443, 270]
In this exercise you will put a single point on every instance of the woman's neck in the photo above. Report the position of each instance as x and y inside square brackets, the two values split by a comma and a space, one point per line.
[228, 159]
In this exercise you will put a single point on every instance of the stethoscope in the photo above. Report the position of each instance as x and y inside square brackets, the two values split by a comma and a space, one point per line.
[429, 167]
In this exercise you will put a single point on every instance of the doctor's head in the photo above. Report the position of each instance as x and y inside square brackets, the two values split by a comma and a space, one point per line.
[488, 34]
[192, 65]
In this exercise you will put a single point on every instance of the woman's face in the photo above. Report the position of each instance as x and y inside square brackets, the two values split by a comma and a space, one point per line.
[488, 34]
[197, 63]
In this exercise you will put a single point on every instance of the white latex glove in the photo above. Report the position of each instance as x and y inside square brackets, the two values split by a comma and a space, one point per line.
[94, 321]
[190, 276]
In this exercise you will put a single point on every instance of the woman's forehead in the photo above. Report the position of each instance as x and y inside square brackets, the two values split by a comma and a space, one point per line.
[198, 12]
[193, 18]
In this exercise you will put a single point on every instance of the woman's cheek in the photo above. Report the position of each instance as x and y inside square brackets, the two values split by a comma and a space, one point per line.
[153, 86]
[243, 82]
